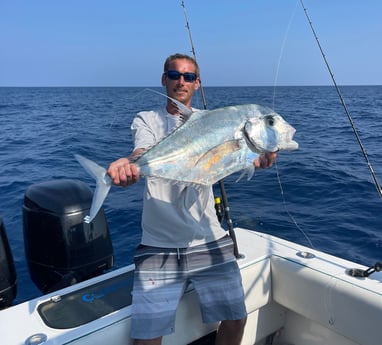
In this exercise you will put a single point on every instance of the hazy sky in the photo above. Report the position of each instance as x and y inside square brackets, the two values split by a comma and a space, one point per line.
[243, 42]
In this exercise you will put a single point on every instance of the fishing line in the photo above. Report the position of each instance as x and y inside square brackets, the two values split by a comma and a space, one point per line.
[286, 209]
[131, 99]
[378, 187]
[273, 106]
[282, 53]
[227, 212]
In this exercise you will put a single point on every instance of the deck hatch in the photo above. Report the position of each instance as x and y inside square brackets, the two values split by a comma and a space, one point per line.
[88, 304]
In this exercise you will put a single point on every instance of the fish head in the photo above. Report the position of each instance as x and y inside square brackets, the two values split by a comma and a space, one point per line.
[269, 133]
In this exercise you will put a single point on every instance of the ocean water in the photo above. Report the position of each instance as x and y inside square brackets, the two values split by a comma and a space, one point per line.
[322, 194]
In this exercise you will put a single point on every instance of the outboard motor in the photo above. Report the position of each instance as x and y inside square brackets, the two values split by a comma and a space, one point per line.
[61, 249]
[8, 277]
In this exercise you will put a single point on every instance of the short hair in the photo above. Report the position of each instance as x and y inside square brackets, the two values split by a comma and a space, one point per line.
[181, 56]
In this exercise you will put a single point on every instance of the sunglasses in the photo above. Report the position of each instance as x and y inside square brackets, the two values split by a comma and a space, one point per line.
[188, 77]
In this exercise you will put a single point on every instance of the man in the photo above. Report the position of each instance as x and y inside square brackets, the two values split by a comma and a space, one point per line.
[182, 240]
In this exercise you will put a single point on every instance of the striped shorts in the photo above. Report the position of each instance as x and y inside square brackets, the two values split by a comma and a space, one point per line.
[163, 274]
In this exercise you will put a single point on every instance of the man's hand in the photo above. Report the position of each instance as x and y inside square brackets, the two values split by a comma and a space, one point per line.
[265, 160]
[123, 173]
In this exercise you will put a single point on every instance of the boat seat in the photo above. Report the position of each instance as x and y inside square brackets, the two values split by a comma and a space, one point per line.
[329, 300]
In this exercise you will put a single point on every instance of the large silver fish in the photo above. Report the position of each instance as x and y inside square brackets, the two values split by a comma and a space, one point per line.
[208, 146]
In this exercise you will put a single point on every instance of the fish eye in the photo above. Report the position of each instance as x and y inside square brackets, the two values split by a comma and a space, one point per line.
[270, 121]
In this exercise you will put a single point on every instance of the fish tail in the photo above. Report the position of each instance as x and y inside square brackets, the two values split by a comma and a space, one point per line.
[103, 184]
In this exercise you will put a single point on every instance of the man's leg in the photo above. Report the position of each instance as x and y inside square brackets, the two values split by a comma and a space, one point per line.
[219, 288]
[230, 332]
[156, 341]
[159, 283]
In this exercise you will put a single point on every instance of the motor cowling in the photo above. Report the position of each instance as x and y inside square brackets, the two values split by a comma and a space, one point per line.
[60, 248]
[8, 277]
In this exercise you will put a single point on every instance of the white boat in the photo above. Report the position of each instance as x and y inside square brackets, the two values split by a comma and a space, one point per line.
[294, 296]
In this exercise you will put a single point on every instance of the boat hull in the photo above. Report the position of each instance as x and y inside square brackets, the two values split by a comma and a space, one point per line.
[294, 295]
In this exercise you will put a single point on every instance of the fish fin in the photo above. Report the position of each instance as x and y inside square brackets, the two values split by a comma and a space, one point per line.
[103, 184]
[249, 170]
[184, 111]
[214, 155]
[184, 118]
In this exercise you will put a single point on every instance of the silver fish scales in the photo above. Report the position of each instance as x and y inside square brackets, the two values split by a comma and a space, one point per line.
[211, 145]
[208, 146]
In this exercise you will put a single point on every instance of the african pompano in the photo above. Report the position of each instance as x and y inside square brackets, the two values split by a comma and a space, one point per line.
[208, 146]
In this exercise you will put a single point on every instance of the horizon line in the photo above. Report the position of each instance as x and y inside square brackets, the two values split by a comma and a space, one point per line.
[205, 86]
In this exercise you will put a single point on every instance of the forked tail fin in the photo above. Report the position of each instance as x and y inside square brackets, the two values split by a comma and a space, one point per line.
[103, 184]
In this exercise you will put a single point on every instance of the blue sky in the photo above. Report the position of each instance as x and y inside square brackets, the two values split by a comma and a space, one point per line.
[245, 42]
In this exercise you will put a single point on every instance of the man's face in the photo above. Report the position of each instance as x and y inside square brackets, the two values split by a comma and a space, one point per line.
[180, 89]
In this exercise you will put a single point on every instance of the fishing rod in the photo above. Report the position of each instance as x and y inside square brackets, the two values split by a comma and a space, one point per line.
[194, 53]
[226, 208]
[378, 187]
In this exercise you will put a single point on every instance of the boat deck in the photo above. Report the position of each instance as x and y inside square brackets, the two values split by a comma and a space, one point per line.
[288, 287]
